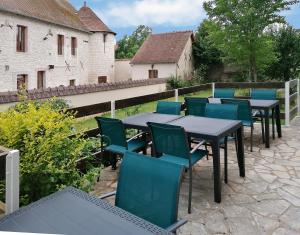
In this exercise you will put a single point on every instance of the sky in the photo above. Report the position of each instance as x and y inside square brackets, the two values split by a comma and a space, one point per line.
[123, 16]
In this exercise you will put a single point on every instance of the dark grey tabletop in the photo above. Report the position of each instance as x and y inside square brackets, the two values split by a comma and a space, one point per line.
[255, 104]
[72, 211]
[139, 121]
[207, 128]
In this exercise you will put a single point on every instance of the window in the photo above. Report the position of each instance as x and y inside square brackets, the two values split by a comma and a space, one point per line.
[21, 38]
[40, 79]
[73, 46]
[102, 79]
[72, 82]
[22, 81]
[60, 44]
[153, 73]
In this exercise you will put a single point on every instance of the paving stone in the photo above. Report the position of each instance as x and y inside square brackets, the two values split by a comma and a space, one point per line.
[243, 226]
[292, 218]
[284, 231]
[269, 207]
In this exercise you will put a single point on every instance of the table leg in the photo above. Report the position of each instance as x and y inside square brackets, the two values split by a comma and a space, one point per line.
[217, 171]
[241, 153]
[267, 128]
[278, 122]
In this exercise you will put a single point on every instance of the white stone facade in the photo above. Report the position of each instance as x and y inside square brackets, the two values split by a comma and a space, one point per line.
[90, 61]
[122, 70]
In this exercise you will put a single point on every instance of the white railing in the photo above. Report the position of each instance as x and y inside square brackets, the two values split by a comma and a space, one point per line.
[295, 96]
[12, 160]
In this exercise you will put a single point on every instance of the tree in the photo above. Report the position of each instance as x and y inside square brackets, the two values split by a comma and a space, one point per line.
[287, 49]
[238, 27]
[129, 45]
[206, 54]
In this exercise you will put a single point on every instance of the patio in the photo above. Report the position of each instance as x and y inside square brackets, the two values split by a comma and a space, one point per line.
[267, 201]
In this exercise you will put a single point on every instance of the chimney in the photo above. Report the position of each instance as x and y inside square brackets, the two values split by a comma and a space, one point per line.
[84, 3]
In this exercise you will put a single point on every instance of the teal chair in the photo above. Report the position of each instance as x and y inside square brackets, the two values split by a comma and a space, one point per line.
[168, 107]
[244, 114]
[113, 136]
[149, 188]
[223, 111]
[264, 94]
[224, 93]
[195, 106]
[170, 144]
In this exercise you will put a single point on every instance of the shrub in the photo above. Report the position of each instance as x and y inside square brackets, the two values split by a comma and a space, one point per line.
[175, 82]
[48, 157]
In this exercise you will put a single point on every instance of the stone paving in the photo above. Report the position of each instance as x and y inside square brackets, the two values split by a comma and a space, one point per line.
[266, 201]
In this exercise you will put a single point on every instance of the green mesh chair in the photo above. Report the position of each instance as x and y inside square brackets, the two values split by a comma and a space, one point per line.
[168, 107]
[147, 193]
[112, 134]
[170, 143]
[195, 106]
[223, 111]
[244, 114]
[224, 93]
[264, 94]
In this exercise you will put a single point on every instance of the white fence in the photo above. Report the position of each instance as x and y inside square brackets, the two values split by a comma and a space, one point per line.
[12, 160]
[292, 100]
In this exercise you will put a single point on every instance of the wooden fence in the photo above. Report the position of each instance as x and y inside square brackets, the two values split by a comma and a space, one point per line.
[290, 101]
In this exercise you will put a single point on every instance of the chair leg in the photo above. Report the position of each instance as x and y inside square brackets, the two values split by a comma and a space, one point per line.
[251, 139]
[225, 161]
[273, 125]
[263, 130]
[113, 161]
[207, 155]
[190, 190]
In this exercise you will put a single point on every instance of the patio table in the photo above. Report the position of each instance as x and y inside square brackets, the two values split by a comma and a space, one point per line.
[139, 121]
[266, 106]
[71, 211]
[213, 130]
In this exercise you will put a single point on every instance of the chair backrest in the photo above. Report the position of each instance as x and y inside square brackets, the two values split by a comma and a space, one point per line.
[195, 106]
[244, 108]
[168, 107]
[263, 94]
[149, 188]
[169, 139]
[222, 111]
[224, 93]
[112, 130]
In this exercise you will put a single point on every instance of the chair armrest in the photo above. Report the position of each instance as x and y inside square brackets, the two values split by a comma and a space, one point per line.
[110, 194]
[136, 136]
[176, 225]
[197, 146]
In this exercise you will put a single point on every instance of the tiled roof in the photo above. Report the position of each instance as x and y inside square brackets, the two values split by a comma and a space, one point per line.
[92, 21]
[11, 97]
[162, 48]
[59, 12]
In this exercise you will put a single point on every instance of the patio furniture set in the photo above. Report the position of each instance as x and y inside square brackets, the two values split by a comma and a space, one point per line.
[146, 200]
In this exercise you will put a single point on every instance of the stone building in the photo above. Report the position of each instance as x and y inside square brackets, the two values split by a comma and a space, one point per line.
[47, 43]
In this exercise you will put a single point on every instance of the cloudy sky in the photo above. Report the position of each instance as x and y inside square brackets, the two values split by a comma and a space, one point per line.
[122, 16]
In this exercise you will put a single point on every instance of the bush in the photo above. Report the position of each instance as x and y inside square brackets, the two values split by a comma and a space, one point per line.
[48, 157]
[175, 82]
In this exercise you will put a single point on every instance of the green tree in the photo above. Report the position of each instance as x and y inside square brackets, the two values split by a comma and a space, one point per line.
[206, 54]
[287, 49]
[238, 27]
[129, 45]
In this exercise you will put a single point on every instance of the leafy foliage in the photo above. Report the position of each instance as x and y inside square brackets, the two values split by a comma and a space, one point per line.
[206, 54]
[287, 49]
[129, 45]
[49, 157]
[237, 27]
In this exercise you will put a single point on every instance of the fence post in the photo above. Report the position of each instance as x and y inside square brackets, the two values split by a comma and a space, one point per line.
[213, 86]
[298, 96]
[12, 182]
[112, 108]
[287, 103]
[176, 95]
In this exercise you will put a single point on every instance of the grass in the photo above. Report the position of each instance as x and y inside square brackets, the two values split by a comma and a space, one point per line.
[90, 123]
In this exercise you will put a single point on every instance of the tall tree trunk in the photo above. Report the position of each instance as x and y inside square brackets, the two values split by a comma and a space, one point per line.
[253, 68]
